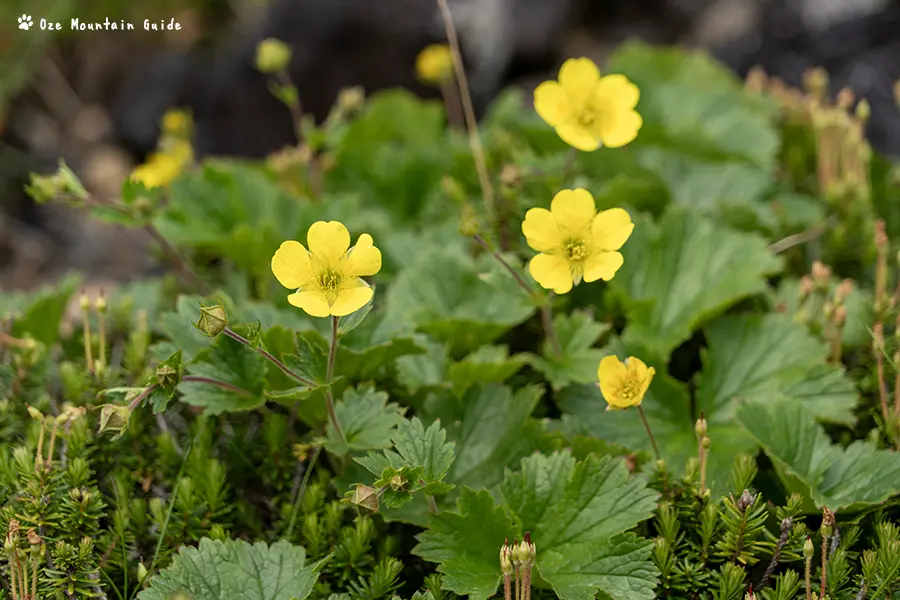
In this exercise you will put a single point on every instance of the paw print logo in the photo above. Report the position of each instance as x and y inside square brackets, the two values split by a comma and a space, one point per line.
[25, 22]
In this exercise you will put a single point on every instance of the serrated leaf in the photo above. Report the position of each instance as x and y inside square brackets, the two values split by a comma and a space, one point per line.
[577, 333]
[466, 544]
[233, 569]
[683, 272]
[848, 478]
[311, 360]
[416, 447]
[242, 370]
[490, 425]
[455, 299]
[367, 420]
[488, 364]
[576, 512]
[764, 356]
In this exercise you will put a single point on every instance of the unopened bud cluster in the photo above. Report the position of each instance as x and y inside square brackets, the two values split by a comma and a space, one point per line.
[516, 563]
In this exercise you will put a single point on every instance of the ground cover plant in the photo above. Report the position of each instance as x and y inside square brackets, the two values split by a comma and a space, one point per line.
[633, 337]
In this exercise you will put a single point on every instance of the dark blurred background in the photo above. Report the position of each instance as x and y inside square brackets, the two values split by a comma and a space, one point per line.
[95, 98]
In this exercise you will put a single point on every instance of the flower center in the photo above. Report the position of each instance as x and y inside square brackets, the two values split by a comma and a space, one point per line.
[576, 250]
[588, 117]
[630, 388]
[329, 281]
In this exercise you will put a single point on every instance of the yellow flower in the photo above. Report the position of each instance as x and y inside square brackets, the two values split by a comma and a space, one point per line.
[575, 241]
[588, 110]
[176, 122]
[624, 384]
[327, 276]
[159, 170]
[434, 64]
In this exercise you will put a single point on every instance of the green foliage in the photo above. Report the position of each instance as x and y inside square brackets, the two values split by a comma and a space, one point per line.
[200, 435]
[233, 568]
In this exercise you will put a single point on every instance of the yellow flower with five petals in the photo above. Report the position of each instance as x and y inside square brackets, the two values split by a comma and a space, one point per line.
[327, 277]
[575, 241]
[588, 110]
[623, 384]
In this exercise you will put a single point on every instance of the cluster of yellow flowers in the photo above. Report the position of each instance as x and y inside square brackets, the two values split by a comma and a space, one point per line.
[573, 240]
[174, 152]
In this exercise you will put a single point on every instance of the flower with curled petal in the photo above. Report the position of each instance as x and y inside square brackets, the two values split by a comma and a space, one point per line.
[588, 110]
[328, 275]
[623, 384]
[575, 241]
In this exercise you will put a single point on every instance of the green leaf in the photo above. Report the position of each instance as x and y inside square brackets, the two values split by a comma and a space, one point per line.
[455, 299]
[577, 333]
[232, 569]
[576, 513]
[466, 544]
[41, 313]
[177, 325]
[241, 371]
[367, 421]
[311, 361]
[683, 272]
[491, 427]
[848, 478]
[362, 356]
[416, 447]
[714, 117]
[760, 357]
[488, 364]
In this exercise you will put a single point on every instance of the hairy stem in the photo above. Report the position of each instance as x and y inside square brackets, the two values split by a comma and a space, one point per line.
[301, 492]
[487, 191]
[329, 373]
[283, 367]
[219, 384]
[824, 566]
[649, 432]
[176, 259]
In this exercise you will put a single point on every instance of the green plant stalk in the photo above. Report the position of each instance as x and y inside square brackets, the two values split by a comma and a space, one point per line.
[546, 315]
[301, 492]
[649, 432]
[809, 578]
[220, 384]
[101, 351]
[39, 453]
[281, 366]
[88, 343]
[329, 373]
[824, 566]
[487, 191]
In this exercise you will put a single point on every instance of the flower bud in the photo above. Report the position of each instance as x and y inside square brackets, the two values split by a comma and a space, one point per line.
[167, 376]
[365, 497]
[114, 417]
[351, 100]
[213, 320]
[863, 111]
[700, 427]
[808, 548]
[845, 98]
[468, 221]
[84, 302]
[807, 287]
[842, 291]
[434, 64]
[35, 414]
[506, 566]
[142, 572]
[100, 303]
[272, 56]
[840, 315]
[705, 442]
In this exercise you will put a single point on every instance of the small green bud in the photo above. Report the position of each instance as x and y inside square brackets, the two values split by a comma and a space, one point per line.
[863, 110]
[167, 376]
[142, 572]
[100, 303]
[84, 302]
[700, 427]
[351, 100]
[35, 414]
[114, 417]
[808, 548]
[398, 481]
[506, 566]
[705, 442]
[213, 320]
[272, 56]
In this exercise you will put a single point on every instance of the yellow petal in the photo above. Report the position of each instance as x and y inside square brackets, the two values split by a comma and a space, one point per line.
[328, 241]
[364, 259]
[578, 76]
[540, 230]
[602, 266]
[578, 136]
[552, 103]
[291, 266]
[616, 89]
[610, 374]
[610, 229]
[551, 272]
[619, 128]
[573, 211]
[350, 300]
[313, 302]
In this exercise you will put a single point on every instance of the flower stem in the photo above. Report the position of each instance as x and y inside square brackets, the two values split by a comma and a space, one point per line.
[549, 330]
[220, 384]
[329, 373]
[101, 350]
[487, 192]
[649, 432]
[175, 259]
[283, 367]
[88, 341]
[140, 397]
[519, 279]
[432, 504]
